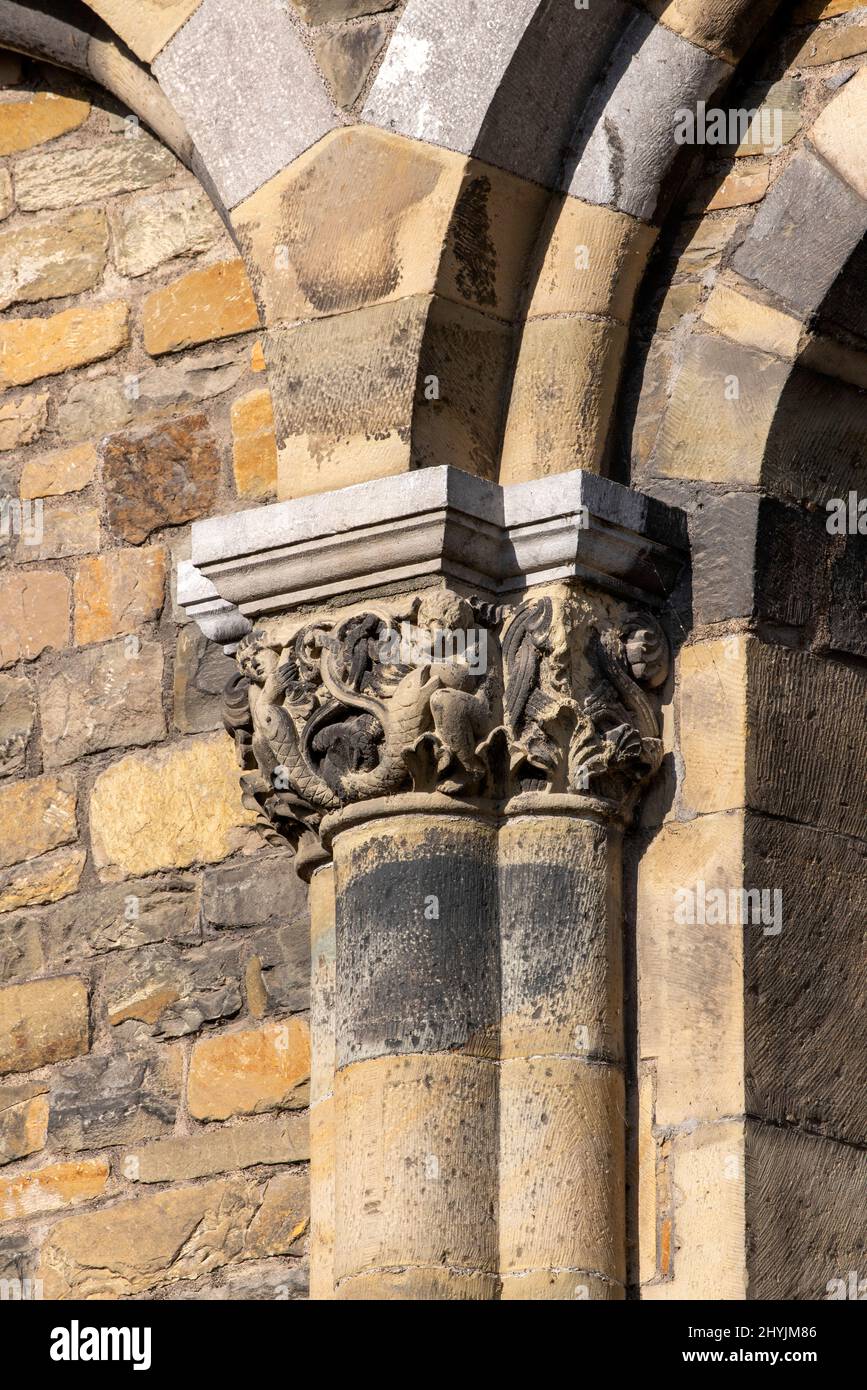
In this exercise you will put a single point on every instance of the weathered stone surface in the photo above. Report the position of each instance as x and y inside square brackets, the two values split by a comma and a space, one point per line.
[738, 189]
[23, 420]
[94, 408]
[265, 892]
[203, 305]
[65, 531]
[121, 916]
[424, 220]
[346, 412]
[20, 949]
[146, 26]
[159, 477]
[246, 1073]
[845, 618]
[278, 976]
[35, 117]
[739, 389]
[23, 1121]
[833, 134]
[691, 989]
[35, 607]
[247, 90]
[173, 992]
[167, 809]
[60, 472]
[565, 385]
[16, 722]
[106, 697]
[36, 816]
[116, 592]
[32, 348]
[46, 1021]
[726, 27]
[329, 11]
[254, 447]
[346, 58]
[157, 227]
[201, 672]
[282, 1139]
[7, 202]
[593, 262]
[47, 260]
[63, 178]
[833, 43]
[786, 217]
[803, 988]
[282, 1280]
[804, 1212]
[747, 321]
[713, 695]
[629, 121]
[49, 1189]
[800, 766]
[42, 880]
[506, 84]
[121, 1098]
[169, 1236]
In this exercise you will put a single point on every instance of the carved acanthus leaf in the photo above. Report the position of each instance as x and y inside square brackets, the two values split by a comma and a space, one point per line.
[447, 695]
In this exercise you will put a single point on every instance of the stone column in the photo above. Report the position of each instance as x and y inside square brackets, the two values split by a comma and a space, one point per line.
[446, 691]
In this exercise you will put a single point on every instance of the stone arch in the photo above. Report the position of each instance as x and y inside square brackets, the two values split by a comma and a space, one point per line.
[446, 320]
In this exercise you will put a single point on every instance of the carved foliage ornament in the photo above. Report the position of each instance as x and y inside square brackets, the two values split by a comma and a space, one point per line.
[449, 695]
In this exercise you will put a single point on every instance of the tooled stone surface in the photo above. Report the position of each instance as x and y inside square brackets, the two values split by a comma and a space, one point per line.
[440, 693]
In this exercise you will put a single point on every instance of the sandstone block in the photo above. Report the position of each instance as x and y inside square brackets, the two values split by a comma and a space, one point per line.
[35, 607]
[94, 408]
[346, 57]
[593, 262]
[43, 880]
[36, 816]
[165, 1237]
[246, 1073]
[282, 1139]
[16, 722]
[167, 809]
[173, 992]
[49, 1189]
[147, 26]
[156, 227]
[785, 218]
[23, 1121]
[203, 305]
[121, 916]
[59, 472]
[254, 447]
[20, 949]
[47, 260]
[725, 27]
[46, 1021]
[106, 697]
[747, 321]
[65, 531]
[159, 477]
[23, 420]
[117, 592]
[35, 117]
[201, 672]
[63, 178]
[31, 348]
[119, 1098]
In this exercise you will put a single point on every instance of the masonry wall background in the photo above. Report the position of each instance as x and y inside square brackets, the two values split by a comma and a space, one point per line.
[154, 958]
[153, 1032]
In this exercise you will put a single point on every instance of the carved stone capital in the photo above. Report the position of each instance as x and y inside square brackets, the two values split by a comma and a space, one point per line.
[479, 697]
